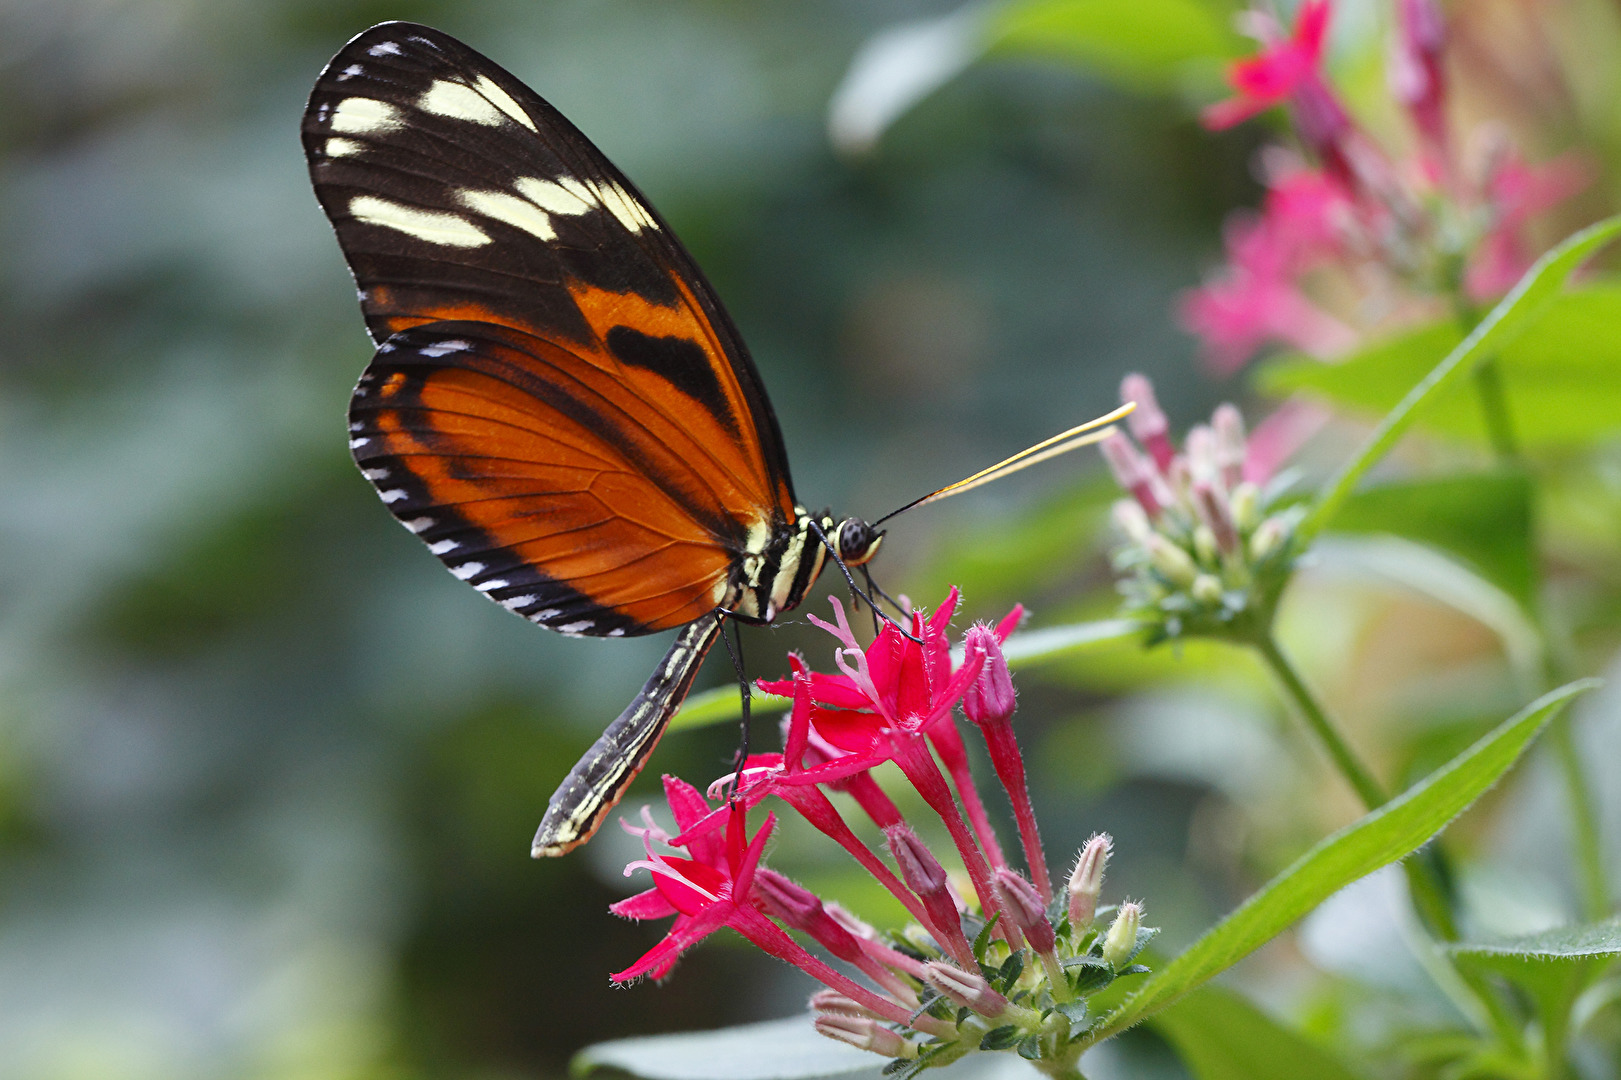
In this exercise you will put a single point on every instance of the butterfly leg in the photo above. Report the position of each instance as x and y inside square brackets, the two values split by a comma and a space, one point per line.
[856, 590]
[743, 688]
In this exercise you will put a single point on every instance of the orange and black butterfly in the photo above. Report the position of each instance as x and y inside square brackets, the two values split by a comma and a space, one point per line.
[559, 407]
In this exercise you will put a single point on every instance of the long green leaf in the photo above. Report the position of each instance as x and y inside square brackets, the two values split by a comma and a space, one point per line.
[1387, 834]
[1565, 943]
[1500, 326]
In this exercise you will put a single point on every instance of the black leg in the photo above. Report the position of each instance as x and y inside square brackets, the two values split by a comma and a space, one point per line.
[743, 686]
[856, 590]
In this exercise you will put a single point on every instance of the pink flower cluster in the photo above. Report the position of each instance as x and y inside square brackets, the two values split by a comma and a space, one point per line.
[892, 702]
[1398, 232]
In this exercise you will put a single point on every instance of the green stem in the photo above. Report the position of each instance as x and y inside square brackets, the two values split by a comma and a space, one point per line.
[1350, 766]
[1595, 885]
[1488, 378]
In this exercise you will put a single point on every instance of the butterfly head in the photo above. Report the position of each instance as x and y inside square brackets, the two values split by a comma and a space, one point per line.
[856, 541]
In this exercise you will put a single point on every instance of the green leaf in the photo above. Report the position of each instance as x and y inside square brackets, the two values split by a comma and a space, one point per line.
[1389, 833]
[1501, 326]
[723, 704]
[775, 1050]
[1000, 1038]
[1561, 377]
[1483, 518]
[1221, 1036]
[1552, 967]
[1566, 943]
[1144, 44]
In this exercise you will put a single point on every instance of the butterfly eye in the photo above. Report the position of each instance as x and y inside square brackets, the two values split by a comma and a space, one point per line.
[857, 541]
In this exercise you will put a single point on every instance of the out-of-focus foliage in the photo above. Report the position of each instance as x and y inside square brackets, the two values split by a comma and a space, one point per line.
[268, 775]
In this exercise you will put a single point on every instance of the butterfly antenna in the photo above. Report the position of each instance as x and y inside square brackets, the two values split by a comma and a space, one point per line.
[1076, 437]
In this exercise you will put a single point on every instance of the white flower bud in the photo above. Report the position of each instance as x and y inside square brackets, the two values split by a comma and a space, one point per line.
[1121, 940]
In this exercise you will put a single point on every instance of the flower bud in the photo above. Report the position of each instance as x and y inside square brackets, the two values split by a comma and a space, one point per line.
[1206, 589]
[1147, 421]
[965, 988]
[1204, 544]
[1170, 560]
[1213, 511]
[831, 1001]
[1230, 449]
[925, 876]
[1121, 940]
[1245, 503]
[989, 698]
[1132, 472]
[1269, 536]
[1130, 520]
[865, 1034]
[786, 899]
[1022, 905]
[1086, 881]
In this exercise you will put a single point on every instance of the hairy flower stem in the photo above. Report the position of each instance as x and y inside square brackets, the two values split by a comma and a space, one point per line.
[1345, 759]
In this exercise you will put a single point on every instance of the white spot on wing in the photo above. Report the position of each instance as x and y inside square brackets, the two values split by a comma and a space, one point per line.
[575, 627]
[430, 226]
[565, 196]
[460, 102]
[444, 348]
[492, 584]
[336, 147]
[466, 570]
[356, 444]
[392, 495]
[349, 72]
[618, 631]
[519, 213]
[444, 547]
[544, 614]
[618, 202]
[513, 603]
[387, 48]
[363, 116]
[503, 101]
[374, 475]
[420, 524]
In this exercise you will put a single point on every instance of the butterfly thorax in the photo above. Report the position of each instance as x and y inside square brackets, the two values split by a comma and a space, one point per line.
[779, 566]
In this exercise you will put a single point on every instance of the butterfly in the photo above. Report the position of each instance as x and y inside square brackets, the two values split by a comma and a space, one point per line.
[558, 406]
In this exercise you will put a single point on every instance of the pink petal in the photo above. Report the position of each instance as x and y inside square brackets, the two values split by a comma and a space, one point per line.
[644, 905]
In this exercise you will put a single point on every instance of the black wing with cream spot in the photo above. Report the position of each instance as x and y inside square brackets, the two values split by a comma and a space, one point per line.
[470, 209]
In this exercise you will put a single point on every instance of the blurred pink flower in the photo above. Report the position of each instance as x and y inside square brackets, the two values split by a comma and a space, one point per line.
[1516, 192]
[1284, 66]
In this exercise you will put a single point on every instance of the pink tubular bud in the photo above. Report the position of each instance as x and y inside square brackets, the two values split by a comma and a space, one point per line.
[1231, 447]
[1021, 904]
[1121, 940]
[865, 1034]
[831, 1001]
[1148, 421]
[990, 697]
[925, 876]
[1086, 881]
[801, 909]
[965, 988]
[1213, 511]
[1417, 79]
[1132, 472]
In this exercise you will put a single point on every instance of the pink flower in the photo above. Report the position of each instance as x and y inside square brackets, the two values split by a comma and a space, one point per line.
[1284, 67]
[1516, 192]
[714, 888]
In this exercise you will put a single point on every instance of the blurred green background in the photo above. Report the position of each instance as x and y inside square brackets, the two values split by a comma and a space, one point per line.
[268, 775]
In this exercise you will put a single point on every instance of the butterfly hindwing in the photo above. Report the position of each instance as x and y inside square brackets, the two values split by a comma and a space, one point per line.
[509, 457]
[559, 406]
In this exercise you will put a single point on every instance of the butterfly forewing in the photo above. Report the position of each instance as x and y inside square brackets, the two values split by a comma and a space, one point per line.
[559, 406]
